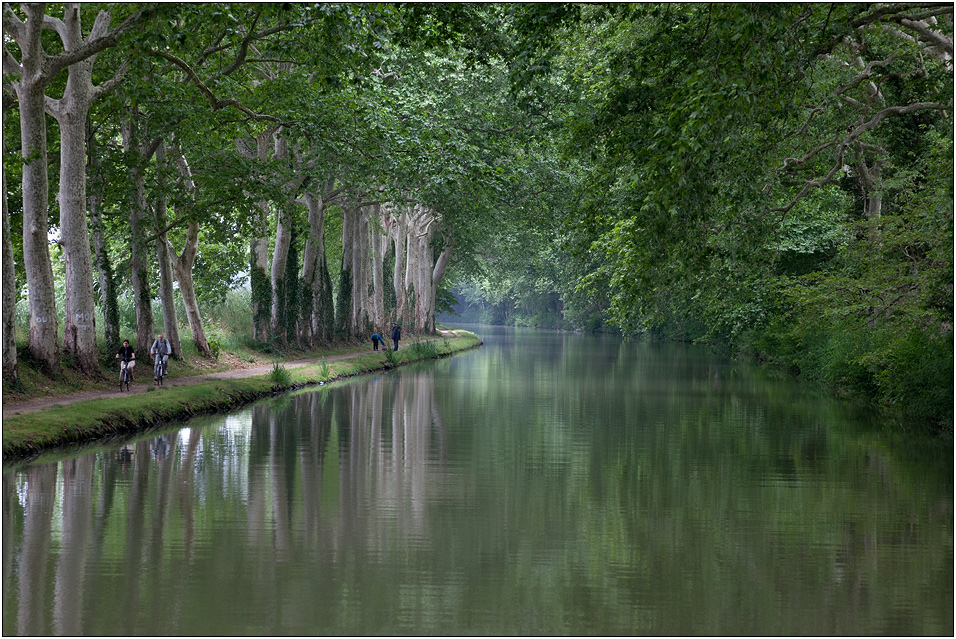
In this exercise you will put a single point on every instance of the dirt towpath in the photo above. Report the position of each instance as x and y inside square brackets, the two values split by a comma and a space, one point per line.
[141, 382]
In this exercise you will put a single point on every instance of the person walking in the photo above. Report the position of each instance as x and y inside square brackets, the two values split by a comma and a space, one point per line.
[376, 338]
[161, 349]
[396, 334]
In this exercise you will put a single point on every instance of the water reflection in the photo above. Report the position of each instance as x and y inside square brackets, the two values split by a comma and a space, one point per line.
[548, 484]
[337, 477]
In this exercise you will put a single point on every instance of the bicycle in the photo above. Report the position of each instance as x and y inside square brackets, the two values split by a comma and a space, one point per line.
[160, 368]
[126, 375]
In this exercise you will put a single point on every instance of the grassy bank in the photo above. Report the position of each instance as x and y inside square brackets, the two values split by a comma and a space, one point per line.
[27, 435]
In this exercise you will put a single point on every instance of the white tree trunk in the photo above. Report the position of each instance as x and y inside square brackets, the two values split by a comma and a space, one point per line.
[441, 264]
[71, 111]
[167, 293]
[35, 70]
[79, 317]
[379, 248]
[280, 253]
[424, 277]
[36, 254]
[399, 232]
[279, 260]
[360, 272]
[183, 266]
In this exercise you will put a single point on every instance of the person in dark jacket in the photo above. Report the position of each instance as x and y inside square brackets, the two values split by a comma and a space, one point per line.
[126, 355]
[396, 334]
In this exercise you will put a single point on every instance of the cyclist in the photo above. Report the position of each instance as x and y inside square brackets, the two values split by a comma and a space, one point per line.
[161, 350]
[127, 357]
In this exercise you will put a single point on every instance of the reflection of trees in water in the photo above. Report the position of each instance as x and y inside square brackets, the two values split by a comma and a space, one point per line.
[77, 486]
[301, 516]
[35, 552]
[119, 555]
[388, 431]
[396, 435]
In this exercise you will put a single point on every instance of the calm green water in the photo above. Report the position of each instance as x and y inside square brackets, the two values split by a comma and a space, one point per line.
[544, 484]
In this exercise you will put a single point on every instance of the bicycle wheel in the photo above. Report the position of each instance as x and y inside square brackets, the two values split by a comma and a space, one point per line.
[158, 371]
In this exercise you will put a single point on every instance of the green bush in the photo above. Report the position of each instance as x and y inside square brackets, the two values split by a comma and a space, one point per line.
[215, 340]
[917, 377]
[390, 356]
[279, 376]
[425, 349]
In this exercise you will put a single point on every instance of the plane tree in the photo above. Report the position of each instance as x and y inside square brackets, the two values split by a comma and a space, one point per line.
[33, 61]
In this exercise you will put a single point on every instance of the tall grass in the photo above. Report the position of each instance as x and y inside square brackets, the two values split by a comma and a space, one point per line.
[425, 349]
[390, 357]
[280, 376]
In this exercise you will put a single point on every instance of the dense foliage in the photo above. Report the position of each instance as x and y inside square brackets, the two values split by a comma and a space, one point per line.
[774, 180]
[771, 179]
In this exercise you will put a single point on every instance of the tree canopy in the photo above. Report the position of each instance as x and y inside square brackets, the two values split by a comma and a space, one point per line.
[774, 180]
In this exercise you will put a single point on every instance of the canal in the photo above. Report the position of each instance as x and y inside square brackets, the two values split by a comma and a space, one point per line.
[544, 484]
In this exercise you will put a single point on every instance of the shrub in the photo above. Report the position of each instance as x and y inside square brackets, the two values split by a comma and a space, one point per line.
[390, 357]
[917, 376]
[425, 349]
[280, 376]
[215, 340]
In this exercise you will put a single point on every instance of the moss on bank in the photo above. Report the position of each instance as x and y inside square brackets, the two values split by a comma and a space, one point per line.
[84, 421]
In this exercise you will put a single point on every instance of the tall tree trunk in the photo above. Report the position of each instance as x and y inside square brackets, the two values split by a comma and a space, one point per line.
[101, 258]
[259, 277]
[343, 309]
[9, 307]
[292, 287]
[399, 232]
[311, 312]
[71, 112]
[317, 304]
[323, 303]
[379, 241]
[441, 264]
[184, 275]
[280, 283]
[138, 223]
[183, 266]
[870, 176]
[36, 253]
[423, 280]
[35, 70]
[167, 292]
[360, 274]
[259, 243]
[279, 256]
[316, 207]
